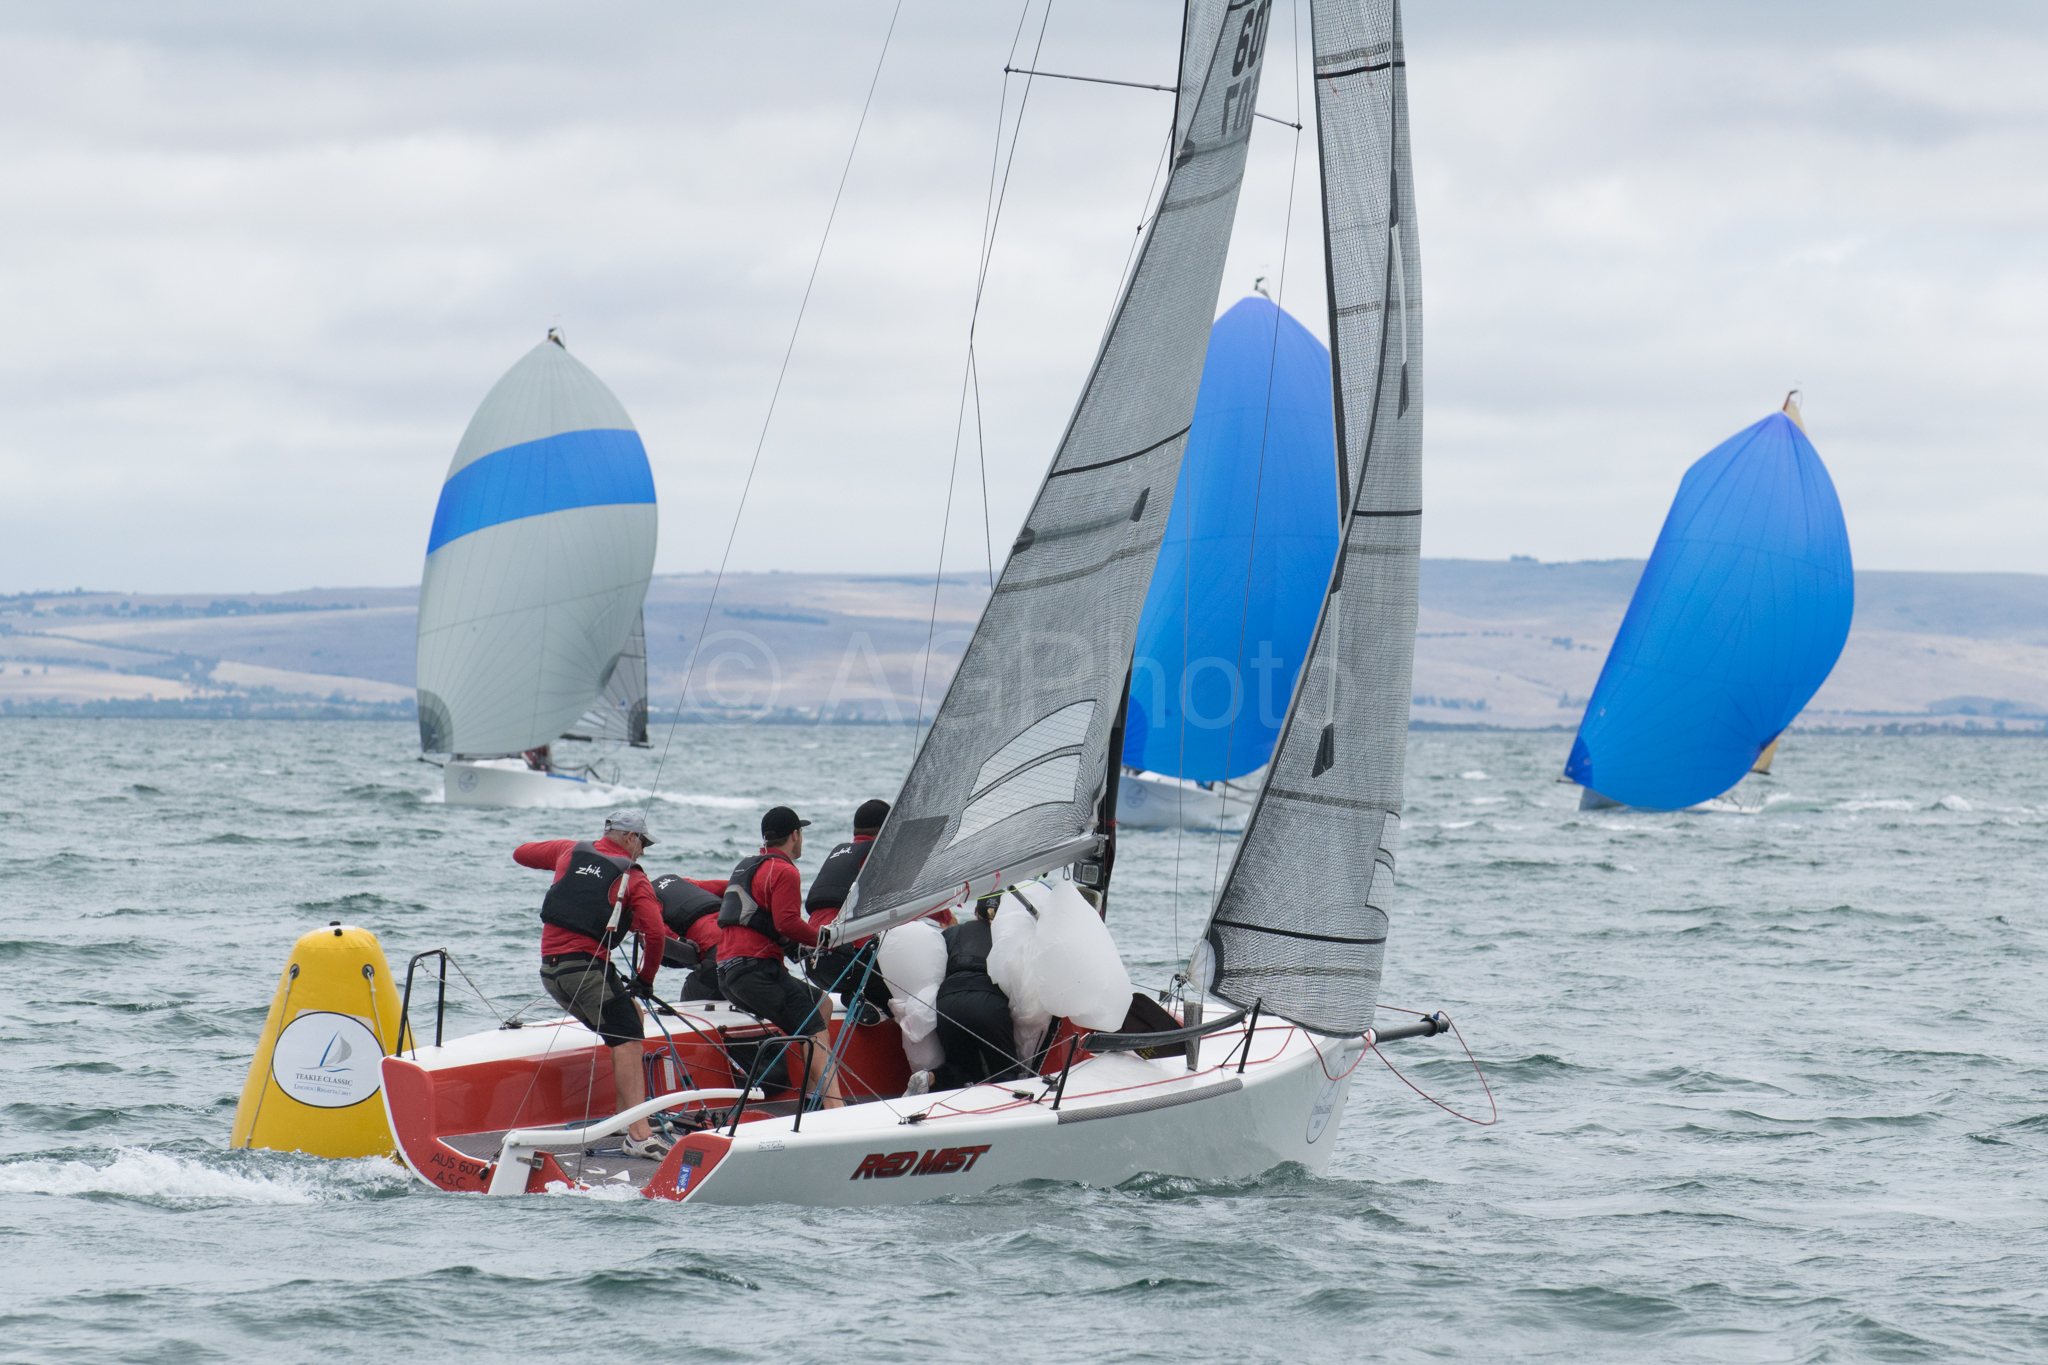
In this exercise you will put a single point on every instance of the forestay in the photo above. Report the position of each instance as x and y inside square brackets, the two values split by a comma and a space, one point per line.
[1300, 923]
[1007, 783]
[538, 561]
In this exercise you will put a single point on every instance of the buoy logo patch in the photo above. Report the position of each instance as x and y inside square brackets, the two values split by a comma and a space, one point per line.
[327, 1060]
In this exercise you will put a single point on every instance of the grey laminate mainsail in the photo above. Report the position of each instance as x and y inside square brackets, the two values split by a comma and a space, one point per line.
[1300, 923]
[1007, 784]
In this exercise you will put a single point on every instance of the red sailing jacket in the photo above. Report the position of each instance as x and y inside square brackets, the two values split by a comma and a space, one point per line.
[640, 900]
[778, 887]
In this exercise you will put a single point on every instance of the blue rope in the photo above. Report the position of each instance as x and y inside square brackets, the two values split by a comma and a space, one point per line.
[838, 1053]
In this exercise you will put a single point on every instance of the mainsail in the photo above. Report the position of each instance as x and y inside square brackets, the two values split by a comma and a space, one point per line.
[1008, 783]
[1300, 923]
[621, 712]
[538, 561]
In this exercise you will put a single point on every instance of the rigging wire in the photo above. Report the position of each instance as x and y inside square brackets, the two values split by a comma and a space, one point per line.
[988, 542]
[1491, 1102]
[991, 221]
[1259, 486]
[773, 397]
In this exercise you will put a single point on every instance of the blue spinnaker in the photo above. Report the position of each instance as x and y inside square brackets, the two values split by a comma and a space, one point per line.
[1737, 621]
[1255, 513]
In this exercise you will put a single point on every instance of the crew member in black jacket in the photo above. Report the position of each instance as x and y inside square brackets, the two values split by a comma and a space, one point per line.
[975, 1028]
[689, 907]
[841, 967]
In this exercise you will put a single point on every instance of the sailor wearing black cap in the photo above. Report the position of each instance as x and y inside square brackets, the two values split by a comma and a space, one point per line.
[761, 920]
[843, 968]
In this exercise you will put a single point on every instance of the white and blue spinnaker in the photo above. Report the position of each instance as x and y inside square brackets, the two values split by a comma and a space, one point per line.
[537, 567]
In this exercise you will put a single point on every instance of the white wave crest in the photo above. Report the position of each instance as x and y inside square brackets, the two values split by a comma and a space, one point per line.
[605, 1193]
[1953, 802]
[139, 1173]
[714, 802]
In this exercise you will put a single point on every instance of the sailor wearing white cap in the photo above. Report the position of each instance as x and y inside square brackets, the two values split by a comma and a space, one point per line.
[599, 896]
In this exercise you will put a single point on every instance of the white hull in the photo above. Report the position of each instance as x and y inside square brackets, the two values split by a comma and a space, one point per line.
[1154, 801]
[1725, 804]
[1208, 1125]
[1119, 1115]
[510, 782]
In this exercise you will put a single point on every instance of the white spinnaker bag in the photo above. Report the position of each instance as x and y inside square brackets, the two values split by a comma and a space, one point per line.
[1014, 934]
[912, 960]
[1074, 961]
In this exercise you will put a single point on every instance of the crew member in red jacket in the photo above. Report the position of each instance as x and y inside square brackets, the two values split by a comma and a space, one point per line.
[599, 896]
[763, 919]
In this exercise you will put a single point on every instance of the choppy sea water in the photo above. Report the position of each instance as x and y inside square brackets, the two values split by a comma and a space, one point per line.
[1771, 1087]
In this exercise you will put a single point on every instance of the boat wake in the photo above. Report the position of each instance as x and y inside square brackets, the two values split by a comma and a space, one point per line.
[168, 1180]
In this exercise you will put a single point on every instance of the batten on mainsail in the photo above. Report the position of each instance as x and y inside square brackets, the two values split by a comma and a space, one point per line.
[1009, 781]
[537, 564]
[1300, 923]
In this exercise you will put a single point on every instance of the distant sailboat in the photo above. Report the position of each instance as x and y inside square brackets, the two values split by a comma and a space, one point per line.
[1240, 577]
[1738, 619]
[537, 568]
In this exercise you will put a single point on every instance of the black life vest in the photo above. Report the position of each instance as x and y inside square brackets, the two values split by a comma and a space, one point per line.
[581, 899]
[967, 949]
[683, 903]
[741, 910]
[835, 878]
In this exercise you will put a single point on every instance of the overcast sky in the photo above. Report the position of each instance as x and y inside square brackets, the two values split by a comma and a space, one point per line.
[259, 263]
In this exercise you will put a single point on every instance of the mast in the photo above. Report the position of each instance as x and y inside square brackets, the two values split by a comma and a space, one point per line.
[1011, 781]
[1300, 923]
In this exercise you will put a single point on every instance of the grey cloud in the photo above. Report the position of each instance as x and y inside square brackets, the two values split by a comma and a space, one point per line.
[260, 263]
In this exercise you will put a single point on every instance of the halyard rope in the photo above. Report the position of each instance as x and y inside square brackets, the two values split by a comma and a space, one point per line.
[697, 647]
[970, 375]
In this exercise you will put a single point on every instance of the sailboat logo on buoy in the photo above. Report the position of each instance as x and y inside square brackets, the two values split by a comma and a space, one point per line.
[321, 1071]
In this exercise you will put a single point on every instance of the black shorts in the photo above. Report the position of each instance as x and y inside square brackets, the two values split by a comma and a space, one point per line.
[845, 969]
[763, 988]
[591, 991]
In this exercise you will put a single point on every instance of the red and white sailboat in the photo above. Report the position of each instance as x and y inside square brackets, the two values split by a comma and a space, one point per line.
[1247, 1064]
[510, 1112]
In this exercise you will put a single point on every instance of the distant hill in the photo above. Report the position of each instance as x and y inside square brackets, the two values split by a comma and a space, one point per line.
[1979, 606]
[1512, 643]
[1518, 643]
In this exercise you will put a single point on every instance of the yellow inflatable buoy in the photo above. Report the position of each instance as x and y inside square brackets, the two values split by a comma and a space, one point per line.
[317, 1081]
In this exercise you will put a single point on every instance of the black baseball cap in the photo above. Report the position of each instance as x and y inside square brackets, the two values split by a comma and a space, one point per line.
[779, 823]
[871, 814]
